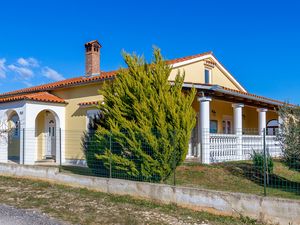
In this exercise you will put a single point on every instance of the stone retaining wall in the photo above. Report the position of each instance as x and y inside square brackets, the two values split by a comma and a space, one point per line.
[271, 210]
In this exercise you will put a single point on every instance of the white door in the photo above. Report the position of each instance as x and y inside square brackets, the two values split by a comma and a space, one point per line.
[50, 136]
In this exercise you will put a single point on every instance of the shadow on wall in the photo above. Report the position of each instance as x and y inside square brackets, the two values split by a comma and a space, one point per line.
[80, 112]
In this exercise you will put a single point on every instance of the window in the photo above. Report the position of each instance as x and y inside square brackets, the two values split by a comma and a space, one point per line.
[214, 126]
[272, 127]
[207, 76]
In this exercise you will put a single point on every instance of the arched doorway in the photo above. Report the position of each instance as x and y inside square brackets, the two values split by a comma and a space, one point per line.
[13, 145]
[47, 133]
[272, 127]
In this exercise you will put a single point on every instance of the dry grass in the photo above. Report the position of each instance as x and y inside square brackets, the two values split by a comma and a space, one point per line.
[82, 206]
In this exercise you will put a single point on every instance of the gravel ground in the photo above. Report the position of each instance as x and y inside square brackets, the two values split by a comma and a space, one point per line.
[13, 216]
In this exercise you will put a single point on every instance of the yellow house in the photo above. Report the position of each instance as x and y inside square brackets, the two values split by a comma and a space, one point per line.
[47, 121]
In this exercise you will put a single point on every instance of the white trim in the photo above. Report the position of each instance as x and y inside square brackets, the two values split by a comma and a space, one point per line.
[183, 63]
[204, 99]
[209, 75]
[219, 65]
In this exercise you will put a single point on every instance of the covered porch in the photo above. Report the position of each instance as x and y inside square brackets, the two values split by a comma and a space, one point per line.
[32, 129]
[230, 125]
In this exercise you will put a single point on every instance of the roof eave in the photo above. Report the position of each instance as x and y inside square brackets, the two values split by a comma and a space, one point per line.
[216, 88]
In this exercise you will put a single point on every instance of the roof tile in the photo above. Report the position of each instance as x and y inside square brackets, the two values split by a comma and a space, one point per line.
[38, 96]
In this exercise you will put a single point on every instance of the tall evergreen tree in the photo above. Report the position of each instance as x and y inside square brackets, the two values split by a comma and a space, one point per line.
[148, 119]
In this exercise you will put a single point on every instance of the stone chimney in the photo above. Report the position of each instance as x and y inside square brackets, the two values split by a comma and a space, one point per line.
[92, 58]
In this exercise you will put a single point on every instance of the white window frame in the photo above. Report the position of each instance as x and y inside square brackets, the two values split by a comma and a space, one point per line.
[209, 75]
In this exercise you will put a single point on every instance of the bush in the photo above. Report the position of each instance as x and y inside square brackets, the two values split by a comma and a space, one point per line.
[148, 118]
[289, 135]
[258, 160]
[93, 146]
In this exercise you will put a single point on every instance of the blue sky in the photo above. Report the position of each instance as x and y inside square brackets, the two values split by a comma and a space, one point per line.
[257, 41]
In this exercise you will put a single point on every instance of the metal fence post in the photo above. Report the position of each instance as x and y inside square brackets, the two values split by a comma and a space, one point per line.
[174, 175]
[265, 162]
[174, 158]
[110, 145]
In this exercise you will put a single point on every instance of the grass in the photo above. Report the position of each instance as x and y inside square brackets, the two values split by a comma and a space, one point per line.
[240, 177]
[231, 176]
[82, 206]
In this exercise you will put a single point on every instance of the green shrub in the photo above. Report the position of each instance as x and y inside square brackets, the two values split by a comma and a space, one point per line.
[289, 135]
[93, 146]
[258, 160]
[148, 119]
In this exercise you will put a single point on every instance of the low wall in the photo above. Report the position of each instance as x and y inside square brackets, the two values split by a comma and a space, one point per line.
[271, 210]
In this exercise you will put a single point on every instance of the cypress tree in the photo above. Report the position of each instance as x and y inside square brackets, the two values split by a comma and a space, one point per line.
[148, 118]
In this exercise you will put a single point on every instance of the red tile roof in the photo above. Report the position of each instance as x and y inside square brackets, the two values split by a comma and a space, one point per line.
[92, 103]
[16, 95]
[62, 84]
[84, 79]
[38, 96]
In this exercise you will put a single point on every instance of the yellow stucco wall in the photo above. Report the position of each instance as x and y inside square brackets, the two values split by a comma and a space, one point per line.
[194, 73]
[40, 134]
[272, 115]
[220, 110]
[76, 117]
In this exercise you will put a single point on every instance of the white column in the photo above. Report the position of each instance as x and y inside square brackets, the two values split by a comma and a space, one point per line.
[189, 154]
[262, 119]
[238, 128]
[204, 128]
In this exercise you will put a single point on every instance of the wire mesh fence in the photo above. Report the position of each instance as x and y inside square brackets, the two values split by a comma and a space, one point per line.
[250, 162]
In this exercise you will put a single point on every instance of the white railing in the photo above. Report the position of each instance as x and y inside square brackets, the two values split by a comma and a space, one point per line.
[251, 144]
[231, 147]
[223, 147]
[273, 146]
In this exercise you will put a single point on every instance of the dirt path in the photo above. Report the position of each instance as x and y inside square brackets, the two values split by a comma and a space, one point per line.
[12, 216]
